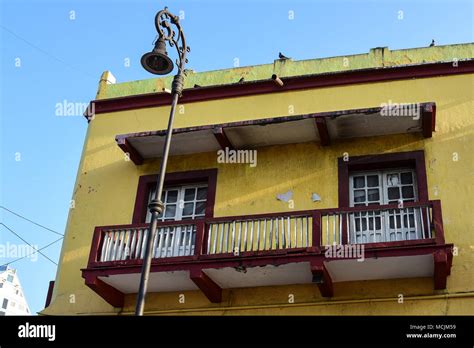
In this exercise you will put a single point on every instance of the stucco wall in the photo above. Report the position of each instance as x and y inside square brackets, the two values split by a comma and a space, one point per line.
[106, 187]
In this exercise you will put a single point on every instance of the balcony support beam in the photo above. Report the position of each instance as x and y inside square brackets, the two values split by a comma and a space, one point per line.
[212, 291]
[428, 119]
[441, 269]
[113, 296]
[222, 138]
[129, 150]
[325, 285]
[322, 130]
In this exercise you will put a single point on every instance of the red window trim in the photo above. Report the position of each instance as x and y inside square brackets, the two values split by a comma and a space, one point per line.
[413, 159]
[146, 182]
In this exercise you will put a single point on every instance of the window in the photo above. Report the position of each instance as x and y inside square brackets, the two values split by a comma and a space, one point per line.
[1, 285]
[383, 187]
[10, 278]
[383, 179]
[187, 195]
[380, 188]
[5, 303]
[2, 313]
[181, 203]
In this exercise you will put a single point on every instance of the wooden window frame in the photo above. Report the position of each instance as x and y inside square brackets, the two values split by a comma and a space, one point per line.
[146, 182]
[411, 159]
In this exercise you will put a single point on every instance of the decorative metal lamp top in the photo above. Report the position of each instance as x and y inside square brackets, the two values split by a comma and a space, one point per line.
[157, 61]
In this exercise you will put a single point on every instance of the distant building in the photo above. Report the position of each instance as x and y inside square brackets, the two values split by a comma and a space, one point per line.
[12, 298]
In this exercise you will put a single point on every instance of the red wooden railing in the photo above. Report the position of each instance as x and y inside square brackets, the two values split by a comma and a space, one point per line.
[274, 231]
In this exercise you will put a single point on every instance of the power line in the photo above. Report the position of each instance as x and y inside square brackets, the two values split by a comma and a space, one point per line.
[44, 52]
[16, 234]
[35, 223]
[34, 252]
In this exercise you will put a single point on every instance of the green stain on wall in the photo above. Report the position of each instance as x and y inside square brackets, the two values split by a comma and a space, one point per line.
[376, 58]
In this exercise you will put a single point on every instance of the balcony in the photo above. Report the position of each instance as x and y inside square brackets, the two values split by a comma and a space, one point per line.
[315, 246]
[322, 128]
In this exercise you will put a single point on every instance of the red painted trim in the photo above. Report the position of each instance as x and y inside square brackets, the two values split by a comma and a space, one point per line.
[438, 222]
[440, 269]
[196, 266]
[133, 154]
[222, 138]
[198, 248]
[293, 83]
[323, 131]
[413, 159]
[188, 263]
[107, 292]
[374, 207]
[50, 294]
[147, 182]
[212, 291]
[317, 229]
[95, 245]
[343, 182]
[326, 288]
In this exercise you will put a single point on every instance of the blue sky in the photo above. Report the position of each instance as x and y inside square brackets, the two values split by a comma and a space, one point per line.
[50, 54]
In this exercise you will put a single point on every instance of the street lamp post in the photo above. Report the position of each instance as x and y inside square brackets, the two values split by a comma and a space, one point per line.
[157, 62]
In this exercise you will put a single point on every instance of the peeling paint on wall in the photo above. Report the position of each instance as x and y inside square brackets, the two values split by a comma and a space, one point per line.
[285, 197]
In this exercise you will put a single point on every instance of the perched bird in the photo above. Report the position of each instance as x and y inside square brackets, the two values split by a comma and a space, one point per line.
[432, 43]
[282, 56]
[241, 79]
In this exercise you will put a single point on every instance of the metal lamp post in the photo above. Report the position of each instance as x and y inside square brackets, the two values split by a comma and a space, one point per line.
[157, 62]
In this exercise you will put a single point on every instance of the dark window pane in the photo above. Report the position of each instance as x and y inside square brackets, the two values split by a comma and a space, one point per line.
[373, 194]
[364, 225]
[170, 210]
[398, 221]
[359, 196]
[378, 223]
[202, 193]
[188, 208]
[172, 196]
[407, 192]
[412, 220]
[189, 194]
[406, 178]
[359, 181]
[200, 208]
[393, 193]
[5, 303]
[372, 180]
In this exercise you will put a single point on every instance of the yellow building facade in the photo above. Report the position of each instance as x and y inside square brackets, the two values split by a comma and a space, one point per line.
[372, 151]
